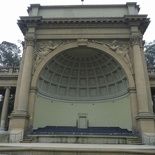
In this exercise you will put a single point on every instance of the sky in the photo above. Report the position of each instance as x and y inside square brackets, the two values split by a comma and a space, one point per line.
[11, 10]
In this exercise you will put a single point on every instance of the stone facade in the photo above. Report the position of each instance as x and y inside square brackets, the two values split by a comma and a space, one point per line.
[83, 54]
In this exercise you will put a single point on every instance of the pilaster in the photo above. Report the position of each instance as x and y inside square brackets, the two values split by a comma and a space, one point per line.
[31, 106]
[134, 107]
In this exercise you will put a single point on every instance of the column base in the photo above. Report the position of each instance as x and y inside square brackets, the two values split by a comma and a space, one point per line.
[18, 120]
[146, 122]
[148, 138]
[18, 126]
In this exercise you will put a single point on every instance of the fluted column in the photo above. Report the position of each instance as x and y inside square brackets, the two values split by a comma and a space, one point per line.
[139, 74]
[19, 79]
[26, 75]
[5, 108]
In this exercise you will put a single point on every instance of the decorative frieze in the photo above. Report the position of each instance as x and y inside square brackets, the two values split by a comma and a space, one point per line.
[43, 48]
[121, 47]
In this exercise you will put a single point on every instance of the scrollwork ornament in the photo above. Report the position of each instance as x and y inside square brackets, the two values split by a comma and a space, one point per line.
[29, 40]
[136, 39]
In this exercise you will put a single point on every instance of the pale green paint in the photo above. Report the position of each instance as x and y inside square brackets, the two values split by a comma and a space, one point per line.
[58, 113]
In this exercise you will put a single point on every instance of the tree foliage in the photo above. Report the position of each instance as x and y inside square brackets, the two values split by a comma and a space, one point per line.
[9, 54]
[149, 50]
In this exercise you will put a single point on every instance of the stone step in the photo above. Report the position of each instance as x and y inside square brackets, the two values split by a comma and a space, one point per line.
[82, 139]
[28, 140]
[134, 141]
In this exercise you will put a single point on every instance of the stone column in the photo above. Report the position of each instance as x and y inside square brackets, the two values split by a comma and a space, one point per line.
[19, 79]
[150, 105]
[26, 76]
[139, 74]
[5, 108]
[145, 117]
[19, 118]
[133, 100]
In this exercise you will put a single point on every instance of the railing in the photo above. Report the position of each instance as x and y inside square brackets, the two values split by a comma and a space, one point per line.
[151, 69]
[9, 70]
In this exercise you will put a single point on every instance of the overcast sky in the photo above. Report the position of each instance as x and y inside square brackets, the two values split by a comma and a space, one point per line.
[11, 10]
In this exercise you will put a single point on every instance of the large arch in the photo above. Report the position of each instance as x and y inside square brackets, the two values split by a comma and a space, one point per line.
[122, 105]
[102, 48]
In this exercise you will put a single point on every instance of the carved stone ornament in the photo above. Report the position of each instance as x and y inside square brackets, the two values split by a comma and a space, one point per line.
[50, 45]
[29, 40]
[43, 48]
[82, 42]
[120, 47]
[136, 39]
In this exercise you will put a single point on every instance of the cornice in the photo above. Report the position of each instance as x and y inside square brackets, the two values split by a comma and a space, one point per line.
[82, 6]
[128, 20]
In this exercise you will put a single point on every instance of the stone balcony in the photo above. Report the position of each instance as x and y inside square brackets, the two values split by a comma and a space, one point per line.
[9, 70]
[8, 76]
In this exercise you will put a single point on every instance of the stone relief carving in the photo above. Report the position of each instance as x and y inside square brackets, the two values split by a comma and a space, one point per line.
[43, 48]
[122, 48]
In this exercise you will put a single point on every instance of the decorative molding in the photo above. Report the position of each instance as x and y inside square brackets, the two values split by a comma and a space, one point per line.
[136, 39]
[29, 40]
[121, 47]
[82, 42]
[44, 47]
[141, 20]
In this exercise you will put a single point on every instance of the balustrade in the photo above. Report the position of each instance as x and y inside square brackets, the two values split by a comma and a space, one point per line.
[151, 69]
[9, 70]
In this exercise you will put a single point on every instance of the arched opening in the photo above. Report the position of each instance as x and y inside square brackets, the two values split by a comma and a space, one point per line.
[82, 87]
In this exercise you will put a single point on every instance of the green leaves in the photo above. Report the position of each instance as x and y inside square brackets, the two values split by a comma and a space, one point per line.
[149, 51]
[9, 54]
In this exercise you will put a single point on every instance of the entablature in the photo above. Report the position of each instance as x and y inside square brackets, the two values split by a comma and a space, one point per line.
[61, 23]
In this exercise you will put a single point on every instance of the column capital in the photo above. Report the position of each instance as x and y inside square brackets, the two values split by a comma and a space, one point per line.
[29, 40]
[7, 87]
[135, 39]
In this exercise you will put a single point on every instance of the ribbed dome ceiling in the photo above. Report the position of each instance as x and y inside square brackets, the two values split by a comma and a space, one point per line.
[82, 74]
